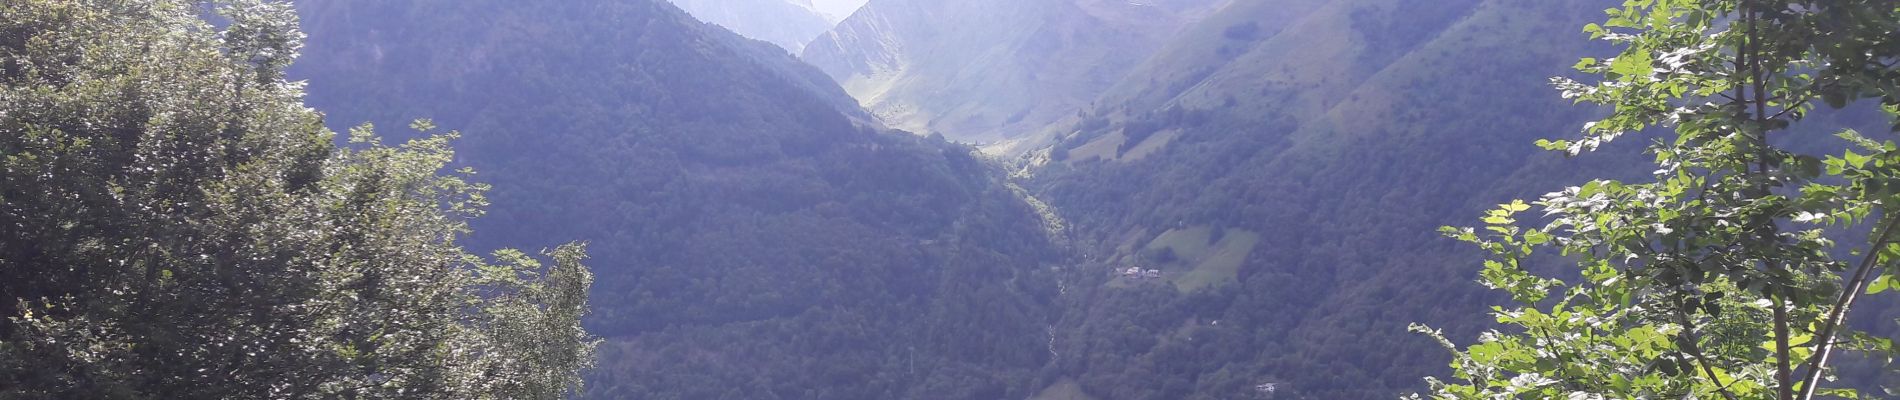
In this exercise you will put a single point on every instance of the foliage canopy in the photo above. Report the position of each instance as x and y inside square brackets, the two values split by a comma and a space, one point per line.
[1729, 273]
[177, 224]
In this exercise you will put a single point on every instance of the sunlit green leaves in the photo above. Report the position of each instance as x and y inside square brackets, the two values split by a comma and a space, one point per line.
[1683, 274]
[1631, 66]
[1880, 284]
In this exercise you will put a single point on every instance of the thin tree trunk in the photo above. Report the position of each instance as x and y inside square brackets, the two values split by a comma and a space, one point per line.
[1783, 374]
[1838, 316]
[1694, 347]
[1751, 63]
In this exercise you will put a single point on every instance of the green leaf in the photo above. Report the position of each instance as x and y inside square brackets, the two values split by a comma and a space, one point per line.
[1632, 64]
[1536, 237]
[1799, 339]
[1855, 159]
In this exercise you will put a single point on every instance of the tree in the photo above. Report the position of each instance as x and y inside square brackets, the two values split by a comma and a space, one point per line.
[179, 225]
[1731, 272]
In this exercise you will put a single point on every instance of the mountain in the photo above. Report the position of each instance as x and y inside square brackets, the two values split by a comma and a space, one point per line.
[752, 237]
[837, 9]
[992, 70]
[786, 23]
[1283, 167]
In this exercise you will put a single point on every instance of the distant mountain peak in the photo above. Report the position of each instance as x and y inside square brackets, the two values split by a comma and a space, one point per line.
[786, 23]
[838, 10]
[992, 70]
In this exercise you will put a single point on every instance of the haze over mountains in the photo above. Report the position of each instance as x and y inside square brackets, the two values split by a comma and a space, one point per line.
[1283, 164]
[939, 200]
[990, 70]
[837, 9]
[786, 23]
[1273, 170]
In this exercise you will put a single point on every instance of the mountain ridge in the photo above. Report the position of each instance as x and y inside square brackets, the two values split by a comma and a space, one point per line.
[789, 24]
[992, 70]
[744, 224]
[1343, 155]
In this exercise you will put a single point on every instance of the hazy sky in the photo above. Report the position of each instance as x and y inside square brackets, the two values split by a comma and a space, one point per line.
[837, 8]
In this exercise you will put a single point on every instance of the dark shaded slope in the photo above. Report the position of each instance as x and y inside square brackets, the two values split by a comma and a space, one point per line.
[751, 240]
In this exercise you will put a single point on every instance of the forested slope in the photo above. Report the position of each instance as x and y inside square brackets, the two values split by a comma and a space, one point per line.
[752, 239]
[1274, 174]
[1333, 143]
